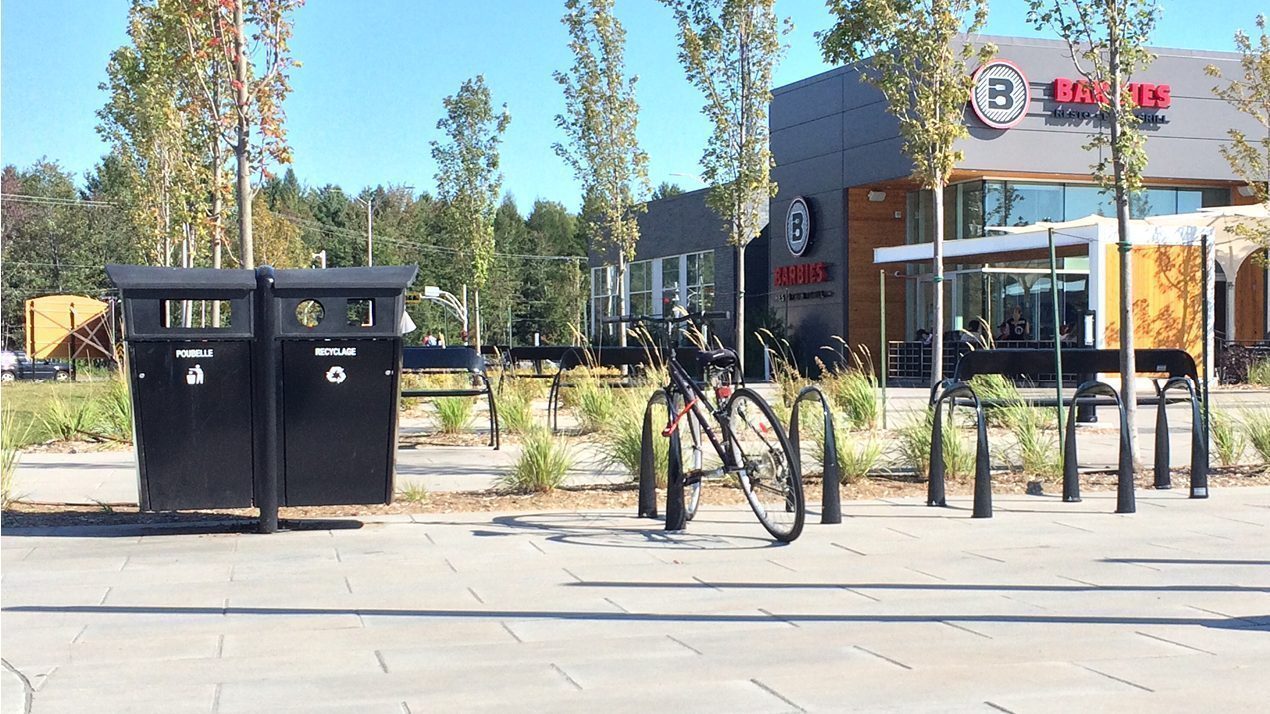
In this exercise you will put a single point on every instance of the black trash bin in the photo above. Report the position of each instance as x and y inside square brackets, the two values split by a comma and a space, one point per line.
[190, 351]
[338, 370]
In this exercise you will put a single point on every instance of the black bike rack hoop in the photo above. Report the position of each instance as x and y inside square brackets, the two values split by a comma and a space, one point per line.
[676, 513]
[1124, 475]
[831, 498]
[1199, 440]
[951, 392]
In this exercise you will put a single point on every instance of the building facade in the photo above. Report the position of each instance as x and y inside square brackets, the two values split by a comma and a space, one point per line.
[845, 191]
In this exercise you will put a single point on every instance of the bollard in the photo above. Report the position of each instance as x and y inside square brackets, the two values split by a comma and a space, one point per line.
[676, 514]
[831, 497]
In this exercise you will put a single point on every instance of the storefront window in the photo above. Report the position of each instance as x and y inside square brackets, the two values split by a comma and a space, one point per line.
[671, 293]
[1081, 201]
[603, 298]
[1007, 203]
[641, 277]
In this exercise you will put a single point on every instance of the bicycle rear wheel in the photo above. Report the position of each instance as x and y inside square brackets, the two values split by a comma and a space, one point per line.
[768, 476]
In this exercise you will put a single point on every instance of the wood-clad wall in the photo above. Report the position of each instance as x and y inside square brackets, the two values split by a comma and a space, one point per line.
[1167, 298]
[872, 224]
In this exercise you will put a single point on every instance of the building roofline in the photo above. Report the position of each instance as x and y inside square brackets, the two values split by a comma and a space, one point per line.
[1008, 40]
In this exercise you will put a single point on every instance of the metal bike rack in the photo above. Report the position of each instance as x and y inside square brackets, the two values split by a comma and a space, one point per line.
[676, 513]
[952, 391]
[1071, 478]
[1199, 440]
[831, 500]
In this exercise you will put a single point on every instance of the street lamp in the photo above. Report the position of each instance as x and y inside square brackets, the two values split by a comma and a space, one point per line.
[452, 303]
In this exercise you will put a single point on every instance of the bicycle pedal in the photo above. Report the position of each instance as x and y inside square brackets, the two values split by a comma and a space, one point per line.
[691, 477]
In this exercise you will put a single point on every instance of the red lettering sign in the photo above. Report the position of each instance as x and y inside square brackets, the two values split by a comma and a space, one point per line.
[1145, 95]
[801, 274]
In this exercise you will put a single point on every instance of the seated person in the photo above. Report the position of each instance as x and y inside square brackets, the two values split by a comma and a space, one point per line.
[1015, 328]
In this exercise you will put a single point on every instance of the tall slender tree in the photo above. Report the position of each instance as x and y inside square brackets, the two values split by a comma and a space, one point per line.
[1107, 41]
[468, 179]
[600, 120]
[728, 49]
[148, 123]
[1249, 93]
[244, 56]
[917, 56]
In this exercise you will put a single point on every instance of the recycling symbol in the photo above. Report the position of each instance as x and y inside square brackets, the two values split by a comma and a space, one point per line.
[336, 375]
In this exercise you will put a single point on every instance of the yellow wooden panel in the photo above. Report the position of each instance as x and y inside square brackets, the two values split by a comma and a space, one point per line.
[1167, 298]
[51, 319]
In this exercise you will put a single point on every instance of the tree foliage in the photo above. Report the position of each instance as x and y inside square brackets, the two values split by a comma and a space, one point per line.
[728, 49]
[1107, 41]
[915, 55]
[1249, 93]
[468, 180]
[600, 121]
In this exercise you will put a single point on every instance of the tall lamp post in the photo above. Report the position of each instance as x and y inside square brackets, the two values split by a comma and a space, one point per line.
[369, 203]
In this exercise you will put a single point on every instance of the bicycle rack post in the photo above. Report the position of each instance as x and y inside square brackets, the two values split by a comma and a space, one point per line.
[1199, 436]
[831, 498]
[1125, 502]
[647, 462]
[1163, 479]
[935, 495]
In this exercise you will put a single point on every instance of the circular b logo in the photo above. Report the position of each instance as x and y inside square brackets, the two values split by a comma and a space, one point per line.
[798, 226]
[1000, 97]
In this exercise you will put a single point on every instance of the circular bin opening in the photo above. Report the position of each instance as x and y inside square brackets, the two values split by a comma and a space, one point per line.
[309, 313]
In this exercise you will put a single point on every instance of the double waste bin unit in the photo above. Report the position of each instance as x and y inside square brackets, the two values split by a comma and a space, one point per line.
[267, 388]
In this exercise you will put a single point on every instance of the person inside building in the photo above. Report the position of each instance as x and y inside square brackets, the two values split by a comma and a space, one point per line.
[1015, 328]
[981, 334]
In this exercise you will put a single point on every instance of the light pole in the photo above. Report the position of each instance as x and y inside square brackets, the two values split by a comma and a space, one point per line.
[369, 203]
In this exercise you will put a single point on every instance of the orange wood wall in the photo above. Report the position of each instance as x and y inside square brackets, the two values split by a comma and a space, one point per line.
[1250, 299]
[1167, 298]
[872, 224]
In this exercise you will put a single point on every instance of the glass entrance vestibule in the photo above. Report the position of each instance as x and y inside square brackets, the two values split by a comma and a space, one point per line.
[994, 291]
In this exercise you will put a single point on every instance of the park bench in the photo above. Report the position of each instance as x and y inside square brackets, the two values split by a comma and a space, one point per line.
[1177, 365]
[452, 360]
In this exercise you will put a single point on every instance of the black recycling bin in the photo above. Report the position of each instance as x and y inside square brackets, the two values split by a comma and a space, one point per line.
[190, 352]
[338, 365]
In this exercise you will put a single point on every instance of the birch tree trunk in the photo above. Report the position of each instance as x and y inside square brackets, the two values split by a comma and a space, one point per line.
[243, 188]
[937, 288]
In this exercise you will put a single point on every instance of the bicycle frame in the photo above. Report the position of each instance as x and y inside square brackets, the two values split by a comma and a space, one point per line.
[681, 383]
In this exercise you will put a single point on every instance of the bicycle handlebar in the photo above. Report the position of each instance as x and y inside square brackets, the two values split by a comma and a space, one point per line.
[668, 319]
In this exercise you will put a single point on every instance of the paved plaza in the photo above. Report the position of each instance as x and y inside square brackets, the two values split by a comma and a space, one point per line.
[1048, 607]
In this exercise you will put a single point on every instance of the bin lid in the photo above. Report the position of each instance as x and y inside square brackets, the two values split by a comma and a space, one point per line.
[394, 277]
[147, 277]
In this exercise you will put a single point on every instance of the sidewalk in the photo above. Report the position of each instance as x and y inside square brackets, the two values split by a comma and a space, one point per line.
[1049, 607]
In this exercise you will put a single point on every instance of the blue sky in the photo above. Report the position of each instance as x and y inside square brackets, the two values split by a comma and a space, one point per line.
[368, 97]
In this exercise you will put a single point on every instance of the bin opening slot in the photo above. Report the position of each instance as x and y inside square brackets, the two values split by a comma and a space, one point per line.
[361, 312]
[309, 313]
[197, 314]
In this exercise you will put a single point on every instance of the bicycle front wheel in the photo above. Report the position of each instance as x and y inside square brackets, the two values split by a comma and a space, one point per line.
[691, 458]
[767, 470]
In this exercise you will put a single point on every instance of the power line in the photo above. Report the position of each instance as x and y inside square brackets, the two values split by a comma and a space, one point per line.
[55, 200]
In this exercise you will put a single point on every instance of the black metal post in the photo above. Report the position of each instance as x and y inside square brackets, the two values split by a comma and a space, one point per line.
[647, 464]
[267, 354]
[935, 495]
[1199, 447]
[983, 472]
[831, 497]
[1163, 479]
[1125, 499]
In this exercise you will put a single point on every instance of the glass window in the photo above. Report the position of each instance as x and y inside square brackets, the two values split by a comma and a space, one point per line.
[671, 294]
[1153, 202]
[1007, 203]
[603, 298]
[1080, 201]
[641, 282]
[700, 281]
[971, 201]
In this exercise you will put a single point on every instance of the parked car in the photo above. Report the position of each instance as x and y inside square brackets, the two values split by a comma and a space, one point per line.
[16, 365]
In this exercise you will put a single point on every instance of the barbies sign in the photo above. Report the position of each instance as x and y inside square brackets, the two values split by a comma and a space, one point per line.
[1079, 91]
[804, 274]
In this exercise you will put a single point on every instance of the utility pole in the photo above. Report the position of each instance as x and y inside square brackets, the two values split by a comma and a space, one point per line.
[370, 229]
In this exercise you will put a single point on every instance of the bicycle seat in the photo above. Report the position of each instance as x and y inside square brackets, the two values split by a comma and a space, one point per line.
[722, 358]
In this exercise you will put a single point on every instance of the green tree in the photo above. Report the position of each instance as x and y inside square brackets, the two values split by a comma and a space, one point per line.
[728, 49]
[152, 131]
[915, 56]
[468, 179]
[242, 56]
[1107, 41]
[666, 189]
[600, 121]
[1249, 157]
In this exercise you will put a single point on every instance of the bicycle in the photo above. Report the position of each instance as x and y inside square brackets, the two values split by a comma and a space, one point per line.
[749, 442]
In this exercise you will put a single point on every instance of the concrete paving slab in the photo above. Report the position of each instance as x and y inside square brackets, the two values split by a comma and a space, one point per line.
[902, 608]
